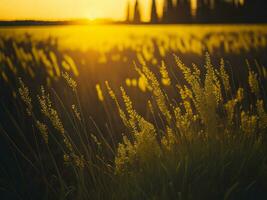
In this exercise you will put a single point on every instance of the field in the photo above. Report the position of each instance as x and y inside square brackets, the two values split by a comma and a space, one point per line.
[133, 112]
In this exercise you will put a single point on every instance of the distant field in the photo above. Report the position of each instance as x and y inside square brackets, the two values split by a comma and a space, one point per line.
[183, 38]
[93, 49]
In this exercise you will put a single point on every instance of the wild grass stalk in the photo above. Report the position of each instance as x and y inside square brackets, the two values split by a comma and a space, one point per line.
[209, 142]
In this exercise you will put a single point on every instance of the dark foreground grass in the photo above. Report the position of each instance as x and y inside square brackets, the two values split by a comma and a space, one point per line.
[201, 137]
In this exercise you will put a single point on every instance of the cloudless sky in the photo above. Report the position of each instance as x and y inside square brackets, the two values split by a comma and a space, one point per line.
[70, 9]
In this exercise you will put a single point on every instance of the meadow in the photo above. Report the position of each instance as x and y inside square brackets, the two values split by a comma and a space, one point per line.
[133, 112]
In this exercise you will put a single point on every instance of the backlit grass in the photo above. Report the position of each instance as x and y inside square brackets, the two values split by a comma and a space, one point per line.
[200, 138]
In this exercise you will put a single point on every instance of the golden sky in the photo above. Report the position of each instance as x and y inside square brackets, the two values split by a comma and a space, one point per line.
[69, 9]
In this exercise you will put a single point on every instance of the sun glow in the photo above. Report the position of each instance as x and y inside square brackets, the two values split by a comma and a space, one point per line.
[62, 9]
[93, 15]
[72, 9]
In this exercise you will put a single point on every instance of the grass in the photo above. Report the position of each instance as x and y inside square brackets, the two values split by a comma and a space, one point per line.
[172, 131]
[198, 135]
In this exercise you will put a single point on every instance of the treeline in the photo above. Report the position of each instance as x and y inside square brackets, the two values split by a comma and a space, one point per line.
[205, 11]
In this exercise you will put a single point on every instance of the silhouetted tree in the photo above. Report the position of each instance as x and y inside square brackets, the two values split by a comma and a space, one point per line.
[128, 13]
[154, 15]
[168, 12]
[164, 15]
[224, 12]
[137, 16]
[211, 15]
[169, 5]
[203, 11]
[208, 11]
[182, 11]
[256, 10]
